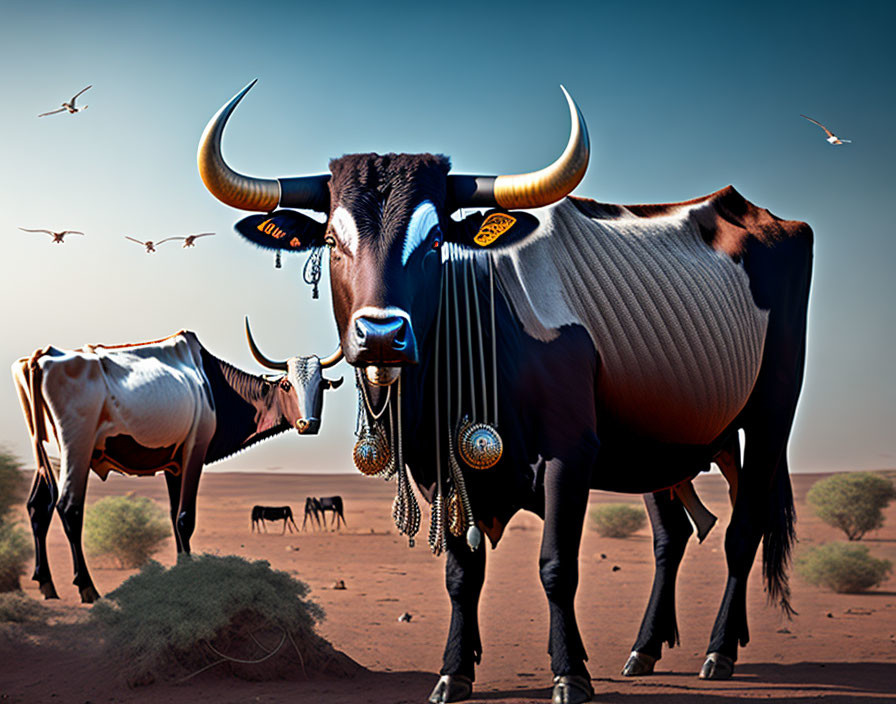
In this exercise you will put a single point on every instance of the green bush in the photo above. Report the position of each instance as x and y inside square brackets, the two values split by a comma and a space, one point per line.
[128, 528]
[617, 520]
[165, 622]
[15, 607]
[15, 550]
[13, 483]
[852, 502]
[842, 567]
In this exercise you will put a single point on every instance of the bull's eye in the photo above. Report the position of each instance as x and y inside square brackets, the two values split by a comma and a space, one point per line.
[285, 385]
[330, 241]
[436, 243]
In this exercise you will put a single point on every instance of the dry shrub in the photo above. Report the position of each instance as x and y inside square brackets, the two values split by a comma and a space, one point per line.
[13, 483]
[15, 550]
[210, 611]
[617, 520]
[852, 502]
[842, 567]
[127, 528]
[15, 607]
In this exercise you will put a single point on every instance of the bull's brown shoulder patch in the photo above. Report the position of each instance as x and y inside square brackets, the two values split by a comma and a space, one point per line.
[493, 227]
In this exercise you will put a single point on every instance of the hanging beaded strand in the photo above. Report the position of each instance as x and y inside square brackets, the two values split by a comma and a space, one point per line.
[437, 537]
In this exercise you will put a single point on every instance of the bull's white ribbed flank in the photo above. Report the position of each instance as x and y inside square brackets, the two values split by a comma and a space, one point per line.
[679, 337]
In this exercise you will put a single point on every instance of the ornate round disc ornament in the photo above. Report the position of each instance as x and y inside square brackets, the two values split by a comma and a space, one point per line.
[371, 453]
[382, 376]
[480, 445]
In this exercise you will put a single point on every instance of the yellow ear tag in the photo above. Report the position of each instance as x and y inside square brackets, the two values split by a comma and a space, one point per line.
[269, 228]
[493, 227]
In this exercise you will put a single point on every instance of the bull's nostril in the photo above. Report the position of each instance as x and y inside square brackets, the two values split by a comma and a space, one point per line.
[360, 331]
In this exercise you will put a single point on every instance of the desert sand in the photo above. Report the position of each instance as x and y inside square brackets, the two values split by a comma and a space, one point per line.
[839, 648]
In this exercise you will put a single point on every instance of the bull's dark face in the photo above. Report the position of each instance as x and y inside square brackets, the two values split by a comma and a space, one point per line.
[384, 234]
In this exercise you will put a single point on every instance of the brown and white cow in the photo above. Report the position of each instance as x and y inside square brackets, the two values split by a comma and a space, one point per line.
[165, 406]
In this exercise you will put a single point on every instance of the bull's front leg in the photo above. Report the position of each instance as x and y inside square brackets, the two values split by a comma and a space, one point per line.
[671, 531]
[566, 485]
[464, 576]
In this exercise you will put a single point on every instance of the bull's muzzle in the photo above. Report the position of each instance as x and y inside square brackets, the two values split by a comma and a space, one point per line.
[383, 341]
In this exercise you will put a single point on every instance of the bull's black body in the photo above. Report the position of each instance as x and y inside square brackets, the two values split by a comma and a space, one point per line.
[335, 506]
[559, 438]
[260, 514]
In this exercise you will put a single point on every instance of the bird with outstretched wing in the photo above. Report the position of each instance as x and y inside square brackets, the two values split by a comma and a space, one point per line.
[832, 138]
[70, 105]
[58, 237]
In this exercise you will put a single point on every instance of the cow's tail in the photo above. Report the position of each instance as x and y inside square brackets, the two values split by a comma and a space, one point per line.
[777, 540]
[28, 377]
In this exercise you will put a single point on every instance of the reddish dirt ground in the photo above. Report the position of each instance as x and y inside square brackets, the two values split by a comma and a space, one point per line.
[840, 647]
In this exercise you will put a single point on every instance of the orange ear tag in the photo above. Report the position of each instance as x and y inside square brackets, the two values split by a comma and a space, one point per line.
[493, 227]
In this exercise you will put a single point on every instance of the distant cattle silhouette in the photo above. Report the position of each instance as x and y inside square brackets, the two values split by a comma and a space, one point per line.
[334, 504]
[260, 514]
[312, 509]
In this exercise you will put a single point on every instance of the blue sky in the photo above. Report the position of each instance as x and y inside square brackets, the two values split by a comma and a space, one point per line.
[681, 99]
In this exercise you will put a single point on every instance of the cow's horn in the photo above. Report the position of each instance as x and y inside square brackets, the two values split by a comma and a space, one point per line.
[247, 192]
[332, 359]
[259, 357]
[532, 190]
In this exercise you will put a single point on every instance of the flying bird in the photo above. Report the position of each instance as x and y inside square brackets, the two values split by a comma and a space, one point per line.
[58, 237]
[149, 244]
[832, 138]
[70, 105]
[190, 240]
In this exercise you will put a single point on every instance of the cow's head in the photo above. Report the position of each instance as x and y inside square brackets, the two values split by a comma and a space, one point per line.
[388, 215]
[299, 392]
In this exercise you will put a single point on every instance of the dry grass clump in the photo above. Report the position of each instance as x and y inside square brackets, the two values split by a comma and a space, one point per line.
[15, 548]
[617, 520]
[235, 615]
[15, 607]
[842, 567]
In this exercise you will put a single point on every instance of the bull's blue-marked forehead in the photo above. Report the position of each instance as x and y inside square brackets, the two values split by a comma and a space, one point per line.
[424, 218]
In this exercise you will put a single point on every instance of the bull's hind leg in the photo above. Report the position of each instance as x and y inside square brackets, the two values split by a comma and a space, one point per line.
[464, 576]
[763, 504]
[671, 531]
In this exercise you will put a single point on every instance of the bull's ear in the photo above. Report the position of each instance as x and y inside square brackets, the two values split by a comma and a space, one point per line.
[333, 383]
[282, 229]
[494, 229]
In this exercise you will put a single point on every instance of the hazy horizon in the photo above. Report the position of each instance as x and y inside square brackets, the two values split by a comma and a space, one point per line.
[681, 99]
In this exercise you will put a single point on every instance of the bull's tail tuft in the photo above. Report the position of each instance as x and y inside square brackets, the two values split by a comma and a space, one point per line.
[778, 538]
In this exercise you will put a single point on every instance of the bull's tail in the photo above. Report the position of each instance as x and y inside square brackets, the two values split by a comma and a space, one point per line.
[27, 376]
[778, 537]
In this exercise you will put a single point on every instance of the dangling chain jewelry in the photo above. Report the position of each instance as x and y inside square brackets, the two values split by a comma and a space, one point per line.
[437, 537]
[312, 277]
[405, 510]
[372, 454]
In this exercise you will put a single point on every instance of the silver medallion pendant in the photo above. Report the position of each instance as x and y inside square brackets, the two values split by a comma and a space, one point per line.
[479, 444]
[371, 454]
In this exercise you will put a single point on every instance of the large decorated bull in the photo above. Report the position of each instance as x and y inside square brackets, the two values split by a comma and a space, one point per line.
[166, 406]
[518, 358]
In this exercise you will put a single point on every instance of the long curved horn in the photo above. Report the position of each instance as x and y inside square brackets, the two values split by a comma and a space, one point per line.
[332, 359]
[259, 357]
[247, 192]
[532, 190]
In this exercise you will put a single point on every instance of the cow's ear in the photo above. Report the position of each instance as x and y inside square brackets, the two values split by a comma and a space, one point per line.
[492, 230]
[282, 229]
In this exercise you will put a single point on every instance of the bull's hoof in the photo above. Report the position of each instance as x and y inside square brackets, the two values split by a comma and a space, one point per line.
[48, 590]
[89, 594]
[451, 688]
[639, 664]
[572, 689]
[717, 667]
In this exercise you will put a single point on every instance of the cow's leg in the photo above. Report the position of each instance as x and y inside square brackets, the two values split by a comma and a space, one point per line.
[671, 531]
[173, 481]
[464, 577]
[566, 486]
[284, 526]
[73, 472]
[41, 502]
